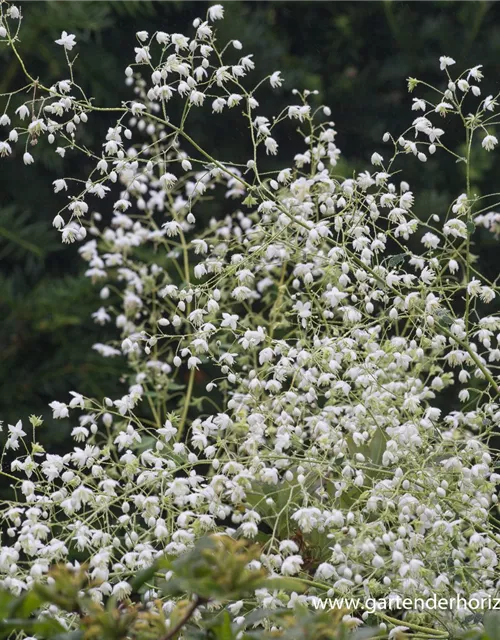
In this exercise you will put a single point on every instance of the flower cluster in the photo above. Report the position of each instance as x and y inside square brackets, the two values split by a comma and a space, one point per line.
[298, 369]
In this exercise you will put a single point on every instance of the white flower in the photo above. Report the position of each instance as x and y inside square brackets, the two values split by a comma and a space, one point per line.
[288, 547]
[168, 431]
[36, 127]
[15, 432]
[218, 105]
[180, 41]
[271, 146]
[418, 104]
[266, 355]
[236, 607]
[476, 73]
[13, 12]
[193, 362]
[489, 142]
[456, 228]
[229, 321]
[197, 98]
[489, 103]
[77, 401]
[291, 565]
[58, 222]
[67, 40]
[121, 590]
[299, 111]
[249, 529]
[487, 294]
[80, 434]
[453, 266]
[443, 107]
[5, 149]
[137, 108]
[325, 571]
[427, 275]
[233, 100]
[172, 228]
[445, 61]
[162, 37]
[142, 55]
[430, 240]
[59, 185]
[276, 80]
[59, 410]
[28, 158]
[79, 207]
[23, 111]
[216, 12]
[474, 287]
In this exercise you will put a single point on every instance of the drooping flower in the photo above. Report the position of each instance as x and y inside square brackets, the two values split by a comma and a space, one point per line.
[489, 142]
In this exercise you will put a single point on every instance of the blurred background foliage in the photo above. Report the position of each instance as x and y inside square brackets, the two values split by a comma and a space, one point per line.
[357, 54]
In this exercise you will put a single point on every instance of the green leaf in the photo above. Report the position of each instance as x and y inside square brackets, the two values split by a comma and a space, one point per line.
[77, 634]
[51, 628]
[471, 227]
[143, 576]
[10, 625]
[396, 260]
[6, 599]
[14, 238]
[284, 584]
[221, 627]
[445, 319]
[23, 234]
[377, 447]
[491, 624]
[26, 605]
[257, 616]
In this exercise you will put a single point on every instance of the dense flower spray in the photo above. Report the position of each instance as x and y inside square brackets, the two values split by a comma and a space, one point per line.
[307, 330]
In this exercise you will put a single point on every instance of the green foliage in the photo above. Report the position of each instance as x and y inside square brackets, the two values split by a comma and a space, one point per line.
[16, 238]
[46, 337]
[204, 582]
[214, 571]
[355, 54]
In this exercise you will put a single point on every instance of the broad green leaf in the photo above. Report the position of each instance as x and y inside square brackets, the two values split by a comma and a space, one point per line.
[491, 624]
[396, 260]
[377, 447]
[26, 605]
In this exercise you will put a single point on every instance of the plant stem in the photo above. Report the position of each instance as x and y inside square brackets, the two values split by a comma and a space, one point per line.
[189, 612]
[416, 627]
[187, 400]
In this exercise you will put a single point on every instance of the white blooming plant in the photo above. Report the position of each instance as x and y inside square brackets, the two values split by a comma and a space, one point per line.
[307, 363]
